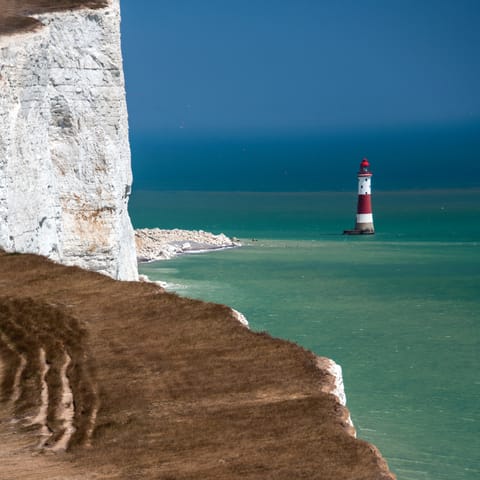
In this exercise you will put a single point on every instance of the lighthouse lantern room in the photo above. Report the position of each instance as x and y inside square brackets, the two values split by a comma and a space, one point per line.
[364, 220]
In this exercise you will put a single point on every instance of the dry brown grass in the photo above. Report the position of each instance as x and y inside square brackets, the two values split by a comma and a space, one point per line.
[27, 326]
[14, 14]
[11, 363]
[185, 391]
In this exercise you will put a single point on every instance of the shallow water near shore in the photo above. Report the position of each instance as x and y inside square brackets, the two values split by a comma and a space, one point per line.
[399, 310]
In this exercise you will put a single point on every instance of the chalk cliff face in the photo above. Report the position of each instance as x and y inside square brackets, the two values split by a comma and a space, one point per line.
[65, 175]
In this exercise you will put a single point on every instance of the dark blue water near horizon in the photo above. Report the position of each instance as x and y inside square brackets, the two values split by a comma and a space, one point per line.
[402, 158]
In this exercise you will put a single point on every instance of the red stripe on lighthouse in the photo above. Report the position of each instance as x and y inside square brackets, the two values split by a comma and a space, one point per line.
[364, 204]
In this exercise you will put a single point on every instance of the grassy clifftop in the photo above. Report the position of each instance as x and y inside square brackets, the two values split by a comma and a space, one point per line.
[163, 387]
[14, 14]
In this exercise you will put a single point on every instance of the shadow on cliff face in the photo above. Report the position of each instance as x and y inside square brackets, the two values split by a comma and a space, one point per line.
[14, 14]
[167, 387]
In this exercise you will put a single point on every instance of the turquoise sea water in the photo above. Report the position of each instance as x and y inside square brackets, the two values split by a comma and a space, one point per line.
[400, 310]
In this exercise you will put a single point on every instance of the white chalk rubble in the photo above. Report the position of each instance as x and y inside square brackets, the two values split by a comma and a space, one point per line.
[160, 244]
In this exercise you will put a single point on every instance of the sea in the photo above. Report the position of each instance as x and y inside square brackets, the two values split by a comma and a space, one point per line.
[398, 310]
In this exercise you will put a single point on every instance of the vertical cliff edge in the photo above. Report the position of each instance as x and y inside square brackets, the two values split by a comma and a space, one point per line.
[65, 174]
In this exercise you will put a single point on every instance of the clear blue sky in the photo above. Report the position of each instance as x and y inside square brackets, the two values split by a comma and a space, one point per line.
[300, 65]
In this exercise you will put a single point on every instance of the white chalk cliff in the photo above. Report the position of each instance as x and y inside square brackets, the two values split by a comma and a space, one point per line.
[65, 174]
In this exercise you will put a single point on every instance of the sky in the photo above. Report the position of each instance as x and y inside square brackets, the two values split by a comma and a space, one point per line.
[198, 66]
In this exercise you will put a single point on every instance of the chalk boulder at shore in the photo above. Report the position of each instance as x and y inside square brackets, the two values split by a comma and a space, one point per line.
[65, 173]
[159, 244]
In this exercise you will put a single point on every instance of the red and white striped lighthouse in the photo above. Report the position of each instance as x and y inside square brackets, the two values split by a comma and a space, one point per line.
[364, 221]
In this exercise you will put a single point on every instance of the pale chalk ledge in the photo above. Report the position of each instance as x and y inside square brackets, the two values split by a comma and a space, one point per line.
[158, 244]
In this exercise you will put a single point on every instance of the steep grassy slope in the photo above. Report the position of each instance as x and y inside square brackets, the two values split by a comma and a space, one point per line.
[164, 387]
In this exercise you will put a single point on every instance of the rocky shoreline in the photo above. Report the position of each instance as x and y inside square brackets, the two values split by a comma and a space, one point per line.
[160, 244]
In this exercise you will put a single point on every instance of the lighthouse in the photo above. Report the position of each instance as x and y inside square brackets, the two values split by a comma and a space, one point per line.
[364, 221]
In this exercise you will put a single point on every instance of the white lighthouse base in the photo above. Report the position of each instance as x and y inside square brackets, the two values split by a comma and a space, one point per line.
[361, 229]
[365, 228]
[363, 225]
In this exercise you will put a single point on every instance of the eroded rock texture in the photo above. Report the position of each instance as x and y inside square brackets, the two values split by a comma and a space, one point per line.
[65, 173]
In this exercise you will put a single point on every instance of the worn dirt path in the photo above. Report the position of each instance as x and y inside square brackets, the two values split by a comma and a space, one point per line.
[21, 459]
